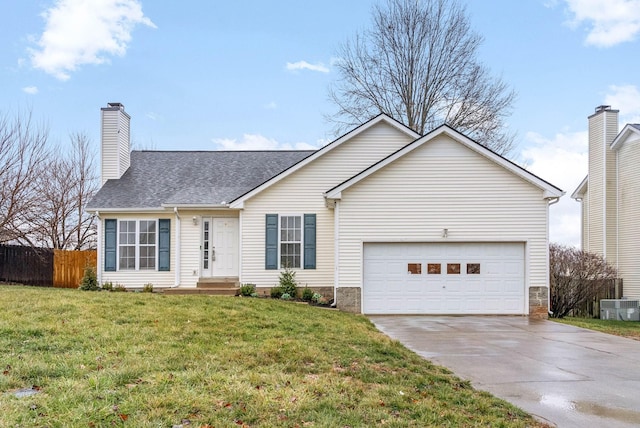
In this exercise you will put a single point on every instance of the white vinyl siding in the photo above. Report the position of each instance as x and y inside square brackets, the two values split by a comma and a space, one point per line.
[115, 156]
[629, 217]
[596, 185]
[132, 278]
[443, 185]
[302, 192]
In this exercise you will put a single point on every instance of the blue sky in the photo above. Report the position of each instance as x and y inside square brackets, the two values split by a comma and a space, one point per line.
[205, 75]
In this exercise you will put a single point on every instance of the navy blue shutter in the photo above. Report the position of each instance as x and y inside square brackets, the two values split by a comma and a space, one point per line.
[164, 244]
[271, 242]
[309, 241]
[110, 242]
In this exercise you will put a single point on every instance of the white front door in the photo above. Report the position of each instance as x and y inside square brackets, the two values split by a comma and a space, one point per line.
[219, 247]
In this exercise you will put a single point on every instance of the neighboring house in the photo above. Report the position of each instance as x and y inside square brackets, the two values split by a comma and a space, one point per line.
[382, 219]
[610, 196]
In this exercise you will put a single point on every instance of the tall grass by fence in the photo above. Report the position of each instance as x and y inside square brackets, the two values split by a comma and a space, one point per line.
[591, 309]
[26, 265]
[68, 267]
[44, 267]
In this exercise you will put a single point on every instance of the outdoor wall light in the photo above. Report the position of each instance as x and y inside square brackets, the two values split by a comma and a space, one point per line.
[195, 220]
[445, 233]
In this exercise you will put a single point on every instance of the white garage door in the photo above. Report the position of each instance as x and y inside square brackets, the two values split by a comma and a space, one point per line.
[443, 278]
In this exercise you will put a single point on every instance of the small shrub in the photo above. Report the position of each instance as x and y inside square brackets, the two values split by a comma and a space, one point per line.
[255, 295]
[89, 280]
[107, 286]
[316, 297]
[147, 288]
[247, 290]
[286, 296]
[119, 288]
[307, 294]
[288, 282]
[276, 292]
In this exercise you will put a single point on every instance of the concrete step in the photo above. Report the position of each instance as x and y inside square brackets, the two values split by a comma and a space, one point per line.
[218, 283]
[229, 291]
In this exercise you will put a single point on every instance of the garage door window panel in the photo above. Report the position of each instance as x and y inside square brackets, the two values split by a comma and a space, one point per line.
[414, 268]
[473, 268]
[433, 269]
[453, 268]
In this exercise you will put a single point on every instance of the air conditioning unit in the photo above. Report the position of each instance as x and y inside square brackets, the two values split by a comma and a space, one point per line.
[620, 309]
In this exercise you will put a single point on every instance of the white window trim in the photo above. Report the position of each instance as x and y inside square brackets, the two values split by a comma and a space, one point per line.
[301, 240]
[137, 245]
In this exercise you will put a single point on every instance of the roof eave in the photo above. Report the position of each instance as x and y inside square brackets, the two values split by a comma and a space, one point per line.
[623, 136]
[581, 189]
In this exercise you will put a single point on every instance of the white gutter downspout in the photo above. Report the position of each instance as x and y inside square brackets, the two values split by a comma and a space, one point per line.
[99, 248]
[178, 227]
[336, 250]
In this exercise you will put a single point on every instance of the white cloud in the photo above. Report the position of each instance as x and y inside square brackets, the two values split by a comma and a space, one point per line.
[625, 98]
[32, 90]
[610, 22]
[304, 65]
[81, 32]
[258, 142]
[562, 161]
[271, 106]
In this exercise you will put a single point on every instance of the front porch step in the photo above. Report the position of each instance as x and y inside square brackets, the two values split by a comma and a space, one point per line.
[218, 283]
[233, 291]
[217, 286]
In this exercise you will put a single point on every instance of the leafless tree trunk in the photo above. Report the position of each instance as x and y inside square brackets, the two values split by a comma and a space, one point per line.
[23, 153]
[575, 277]
[65, 186]
[418, 64]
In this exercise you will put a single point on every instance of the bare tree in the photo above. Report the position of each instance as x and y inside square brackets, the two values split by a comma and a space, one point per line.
[575, 277]
[65, 186]
[23, 153]
[418, 64]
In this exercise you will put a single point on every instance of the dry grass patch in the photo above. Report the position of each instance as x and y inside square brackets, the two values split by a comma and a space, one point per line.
[133, 359]
[629, 329]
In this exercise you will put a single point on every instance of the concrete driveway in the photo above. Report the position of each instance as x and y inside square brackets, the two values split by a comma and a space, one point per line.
[564, 375]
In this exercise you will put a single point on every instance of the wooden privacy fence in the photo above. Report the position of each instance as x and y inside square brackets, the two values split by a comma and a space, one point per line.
[26, 265]
[44, 267]
[68, 267]
[612, 289]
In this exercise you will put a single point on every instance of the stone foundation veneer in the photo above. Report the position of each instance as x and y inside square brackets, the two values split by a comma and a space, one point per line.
[348, 299]
[538, 302]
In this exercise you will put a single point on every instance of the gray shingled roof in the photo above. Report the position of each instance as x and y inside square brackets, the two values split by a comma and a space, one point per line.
[191, 178]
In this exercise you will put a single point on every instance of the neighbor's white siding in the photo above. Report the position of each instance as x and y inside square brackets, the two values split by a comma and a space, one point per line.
[629, 217]
[602, 207]
[138, 278]
[443, 185]
[302, 193]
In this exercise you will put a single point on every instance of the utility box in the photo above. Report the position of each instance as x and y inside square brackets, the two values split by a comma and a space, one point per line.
[620, 309]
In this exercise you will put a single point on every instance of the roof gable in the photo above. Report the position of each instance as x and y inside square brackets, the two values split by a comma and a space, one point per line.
[381, 118]
[550, 190]
[581, 189]
[629, 132]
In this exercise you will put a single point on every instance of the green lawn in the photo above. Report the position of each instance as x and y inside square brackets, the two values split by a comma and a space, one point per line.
[630, 329]
[141, 360]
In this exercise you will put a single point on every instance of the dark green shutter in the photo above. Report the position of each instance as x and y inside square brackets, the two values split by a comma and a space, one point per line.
[110, 242]
[309, 241]
[271, 242]
[164, 244]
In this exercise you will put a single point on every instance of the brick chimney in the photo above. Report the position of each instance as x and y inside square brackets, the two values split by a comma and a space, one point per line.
[115, 142]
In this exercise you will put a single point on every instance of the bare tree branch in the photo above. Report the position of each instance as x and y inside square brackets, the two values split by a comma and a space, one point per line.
[418, 63]
[23, 153]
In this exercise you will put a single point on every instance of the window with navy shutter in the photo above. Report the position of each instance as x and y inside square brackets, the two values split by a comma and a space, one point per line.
[271, 242]
[164, 244]
[309, 241]
[110, 242]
